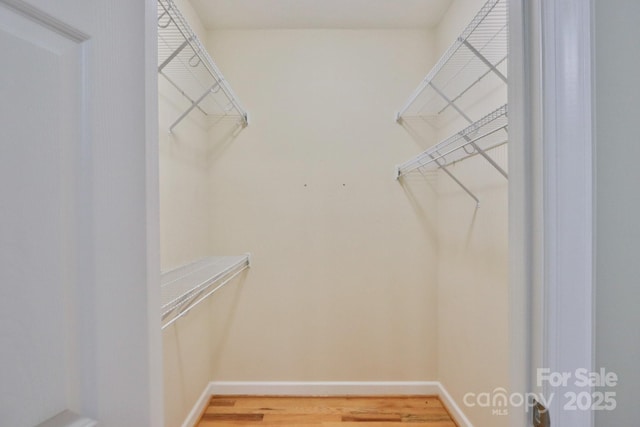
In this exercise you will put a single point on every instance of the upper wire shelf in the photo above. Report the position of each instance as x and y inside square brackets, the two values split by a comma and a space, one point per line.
[187, 66]
[484, 135]
[474, 66]
[185, 287]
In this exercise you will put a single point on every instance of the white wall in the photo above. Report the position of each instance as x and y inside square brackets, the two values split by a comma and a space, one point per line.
[342, 285]
[472, 258]
[617, 203]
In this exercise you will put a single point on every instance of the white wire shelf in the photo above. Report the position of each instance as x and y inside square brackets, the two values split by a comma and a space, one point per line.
[187, 286]
[480, 137]
[187, 66]
[473, 67]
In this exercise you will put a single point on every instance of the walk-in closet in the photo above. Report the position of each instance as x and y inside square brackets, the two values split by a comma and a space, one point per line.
[333, 201]
[328, 213]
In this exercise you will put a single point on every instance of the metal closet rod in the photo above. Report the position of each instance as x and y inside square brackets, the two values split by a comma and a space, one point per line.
[465, 137]
[184, 303]
[436, 154]
[180, 300]
[189, 37]
[191, 305]
[468, 141]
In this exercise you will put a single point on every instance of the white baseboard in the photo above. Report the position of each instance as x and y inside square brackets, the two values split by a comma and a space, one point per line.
[327, 388]
[198, 408]
[454, 410]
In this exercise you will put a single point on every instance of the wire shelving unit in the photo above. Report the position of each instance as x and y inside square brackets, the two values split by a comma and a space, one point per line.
[186, 65]
[474, 66]
[480, 137]
[185, 287]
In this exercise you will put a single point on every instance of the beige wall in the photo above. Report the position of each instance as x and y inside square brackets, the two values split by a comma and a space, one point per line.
[472, 259]
[184, 207]
[191, 347]
[342, 285]
[457, 17]
[354, 276]
[188, 345]
[343, 281]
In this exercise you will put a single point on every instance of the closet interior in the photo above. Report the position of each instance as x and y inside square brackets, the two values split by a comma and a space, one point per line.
[293, 261]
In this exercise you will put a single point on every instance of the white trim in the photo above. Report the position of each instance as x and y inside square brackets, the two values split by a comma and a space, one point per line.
[522, 217]
[202, 402]
[152, 186]
[454, 410]
[568, 197]
[325, 388]
[33, 13]
[550, 196]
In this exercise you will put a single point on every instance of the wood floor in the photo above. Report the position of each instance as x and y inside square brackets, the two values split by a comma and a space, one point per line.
[425, 411]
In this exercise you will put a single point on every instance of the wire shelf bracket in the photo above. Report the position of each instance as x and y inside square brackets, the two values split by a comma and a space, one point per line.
[187, 66]
[462, 75]
[183, 288]
[480, 137]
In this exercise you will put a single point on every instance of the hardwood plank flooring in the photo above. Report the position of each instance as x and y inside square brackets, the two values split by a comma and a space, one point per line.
[425, 411]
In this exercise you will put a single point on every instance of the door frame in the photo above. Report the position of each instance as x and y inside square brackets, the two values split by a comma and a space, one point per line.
[551, 199]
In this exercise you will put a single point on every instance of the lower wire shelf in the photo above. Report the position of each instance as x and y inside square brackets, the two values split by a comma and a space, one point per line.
[185, 287]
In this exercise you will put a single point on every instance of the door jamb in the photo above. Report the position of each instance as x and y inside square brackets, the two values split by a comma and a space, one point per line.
[551, 199]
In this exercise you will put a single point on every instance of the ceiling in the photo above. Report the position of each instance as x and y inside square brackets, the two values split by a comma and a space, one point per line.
[297, 14]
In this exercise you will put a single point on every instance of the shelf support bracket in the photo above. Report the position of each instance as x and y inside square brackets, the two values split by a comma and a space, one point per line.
[461, 94]
[174, 54]
[484, 60]
[486, 157]
[457, 181]
[193, 105]
[175, 85]
[450, 102]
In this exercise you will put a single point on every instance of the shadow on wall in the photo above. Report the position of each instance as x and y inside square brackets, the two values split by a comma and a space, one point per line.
[421, 188]
[421, 131]
[223, 320]
[469, 234]
[201, 143]
[421, 192]
[418, 182]
[193, 347]
[222, 134]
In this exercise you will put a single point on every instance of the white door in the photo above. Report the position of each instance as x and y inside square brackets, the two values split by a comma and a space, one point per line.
[78, 312]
